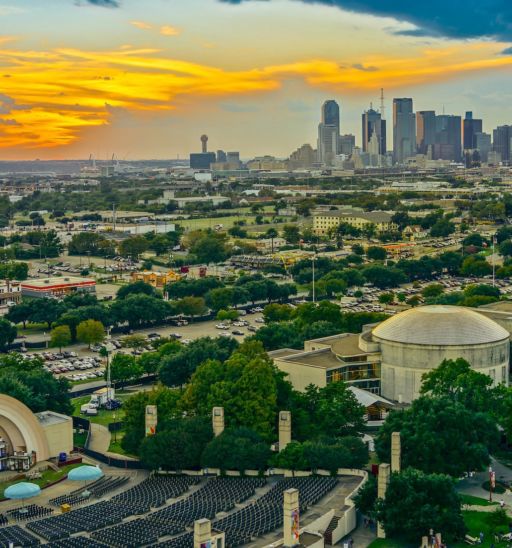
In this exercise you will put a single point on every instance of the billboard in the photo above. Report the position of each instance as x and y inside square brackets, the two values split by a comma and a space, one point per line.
[151, 420]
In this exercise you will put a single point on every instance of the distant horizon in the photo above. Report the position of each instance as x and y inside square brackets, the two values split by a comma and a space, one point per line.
[147, 79]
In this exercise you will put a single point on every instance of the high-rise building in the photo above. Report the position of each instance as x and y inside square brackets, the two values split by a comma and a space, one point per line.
[374, 125]
[404, 130]
[470, 127]
[202, 160]
[329, 133]
[233, 159]
[221, 156]
[502, 142]
[331, 114]
[483, 144]
[347, 144]
[448, 138]
[425, 130]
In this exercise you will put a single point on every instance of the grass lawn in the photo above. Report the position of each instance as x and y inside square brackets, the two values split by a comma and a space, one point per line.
[476, 522]
[47, 477]
[103, 417]
[79, 439]
[470, 500]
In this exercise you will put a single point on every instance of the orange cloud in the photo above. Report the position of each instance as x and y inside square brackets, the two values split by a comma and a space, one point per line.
[48, 97]
[141, 25]
[167, 30]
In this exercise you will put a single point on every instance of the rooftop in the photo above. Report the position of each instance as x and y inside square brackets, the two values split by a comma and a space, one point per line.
[323, 358]
[51, 417]
[64, 280]
[440, 325]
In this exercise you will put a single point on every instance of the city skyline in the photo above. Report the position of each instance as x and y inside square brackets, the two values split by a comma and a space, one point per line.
[80, 79]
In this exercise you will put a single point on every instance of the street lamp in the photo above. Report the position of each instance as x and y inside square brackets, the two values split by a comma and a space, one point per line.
[313, 259]
[105, 353]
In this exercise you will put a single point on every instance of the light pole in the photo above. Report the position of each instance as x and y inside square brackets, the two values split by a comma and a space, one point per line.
[105, 352]
[313, 259]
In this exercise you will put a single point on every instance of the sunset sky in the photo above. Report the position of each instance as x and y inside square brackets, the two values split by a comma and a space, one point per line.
[145, 78]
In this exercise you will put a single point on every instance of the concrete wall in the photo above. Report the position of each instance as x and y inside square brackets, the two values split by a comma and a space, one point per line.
[60, 437]
[301, 375]
[403, 364]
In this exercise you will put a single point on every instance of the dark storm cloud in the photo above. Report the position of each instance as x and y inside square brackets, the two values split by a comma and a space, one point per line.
[449, 18]
[507, 51]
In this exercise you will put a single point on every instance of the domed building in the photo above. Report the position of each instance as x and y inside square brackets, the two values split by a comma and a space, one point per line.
[418, 340]
[390, 358]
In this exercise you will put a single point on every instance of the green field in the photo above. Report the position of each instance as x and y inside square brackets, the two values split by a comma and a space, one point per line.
[49, 476]
[476, 522]
[103, 417]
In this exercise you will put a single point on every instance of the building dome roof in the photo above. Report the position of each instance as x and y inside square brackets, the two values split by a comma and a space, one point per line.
[440, 326]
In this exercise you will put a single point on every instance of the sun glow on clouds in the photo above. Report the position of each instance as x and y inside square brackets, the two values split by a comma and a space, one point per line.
[50, 96]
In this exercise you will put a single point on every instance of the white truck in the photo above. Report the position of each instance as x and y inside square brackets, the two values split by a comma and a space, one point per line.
[102, 396]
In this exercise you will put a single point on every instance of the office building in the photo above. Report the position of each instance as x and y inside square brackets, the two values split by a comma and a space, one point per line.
[303, 158]
[483, 145]
[347, 144]
[325, 221]
[233, 159]
[404, 130]
[202, 160]
[425, 131]
[448, 144]
[374, 131]
[470, 127]
[502, 142]
[329, 133]
[221, 156]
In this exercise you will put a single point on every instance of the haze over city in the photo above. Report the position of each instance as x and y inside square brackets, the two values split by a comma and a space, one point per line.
[145, 79]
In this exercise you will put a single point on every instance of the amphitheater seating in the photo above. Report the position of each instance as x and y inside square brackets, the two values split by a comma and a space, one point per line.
[28, 512]
[97, 489]
[16, 535]
[76, 542]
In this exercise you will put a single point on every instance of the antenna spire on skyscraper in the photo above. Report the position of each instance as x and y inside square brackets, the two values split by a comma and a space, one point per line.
[382, 107]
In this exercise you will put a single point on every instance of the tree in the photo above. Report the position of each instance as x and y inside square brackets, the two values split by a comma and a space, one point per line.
[456, 380]
[442, 228]
[376, 253]
[124, 368]
[20, 313]
[136, 288]
[177, 447]
[60, 336]
[191, 306]
[91, 243]
[227, 315]
[210, 248]
[291, 234]
[138, 309]
[27, 380]
[387, 298]
[432, 291]
[8, 333]
[46, 311]
[237, 449]
[358, 249]
[463, 443]
[272, 234]
[133, 247]
[475, 266]
[417, 502]
[90, 332]
[384, 277]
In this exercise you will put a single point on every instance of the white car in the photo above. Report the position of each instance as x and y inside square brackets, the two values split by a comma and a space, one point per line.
[221, 326]
[225, 334]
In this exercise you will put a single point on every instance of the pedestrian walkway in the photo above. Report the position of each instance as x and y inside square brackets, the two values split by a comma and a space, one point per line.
[99, 438]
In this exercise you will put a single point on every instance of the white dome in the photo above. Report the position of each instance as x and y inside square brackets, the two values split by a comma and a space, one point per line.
[440, 326]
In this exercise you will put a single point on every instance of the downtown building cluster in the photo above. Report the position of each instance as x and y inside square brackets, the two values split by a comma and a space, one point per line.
[418, 137]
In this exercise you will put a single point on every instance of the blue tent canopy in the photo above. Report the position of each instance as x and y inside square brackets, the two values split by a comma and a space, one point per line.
[85, 473]
[22, 490]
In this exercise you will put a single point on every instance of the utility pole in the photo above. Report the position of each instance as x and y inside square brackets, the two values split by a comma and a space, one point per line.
[493, 261]
[313, 259]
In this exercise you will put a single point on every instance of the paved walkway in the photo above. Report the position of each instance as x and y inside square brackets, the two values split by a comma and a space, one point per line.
[99, 438]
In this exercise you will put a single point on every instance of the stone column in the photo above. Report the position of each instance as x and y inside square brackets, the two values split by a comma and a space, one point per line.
[382, 486]
[202, 532]
[396, 452]
[218, 420]
[291, 523]
[285, 429]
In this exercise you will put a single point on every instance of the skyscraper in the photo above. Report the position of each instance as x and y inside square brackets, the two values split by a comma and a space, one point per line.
[470, 127]
[448, 138]
[347, 144]
[483, 143]
[373, 124]
[502, 142]
[404, 130]
[425, 130]
[329, 133]
[331, 114]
